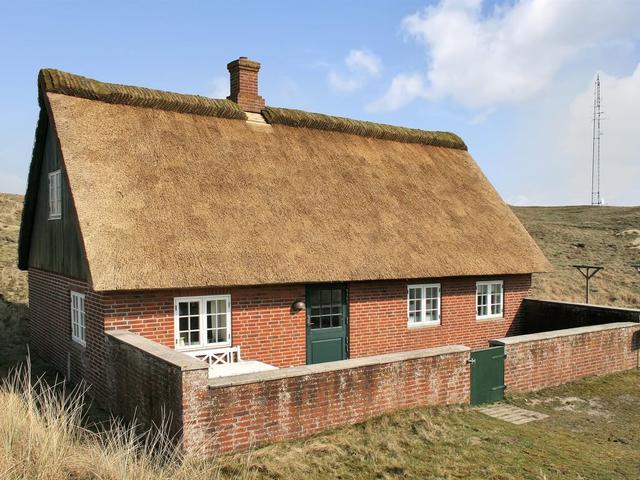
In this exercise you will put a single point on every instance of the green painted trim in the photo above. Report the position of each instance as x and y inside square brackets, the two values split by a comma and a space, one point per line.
[309, 289]
[487, 375]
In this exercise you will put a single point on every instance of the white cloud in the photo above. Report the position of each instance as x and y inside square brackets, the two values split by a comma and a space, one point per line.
[365, 61]
[362, 65]
[508, 55]
[220, 87]
[343, 83]
[403, 90]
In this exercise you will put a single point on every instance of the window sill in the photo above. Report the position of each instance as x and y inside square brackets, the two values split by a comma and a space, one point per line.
[420, 326]
[211, 346]
[490, 318]
[79, 342]
[57, 217]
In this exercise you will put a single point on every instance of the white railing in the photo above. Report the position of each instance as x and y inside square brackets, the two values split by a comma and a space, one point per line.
[217, 356]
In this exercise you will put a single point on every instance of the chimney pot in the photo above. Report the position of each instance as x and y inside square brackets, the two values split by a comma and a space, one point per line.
[243, 74]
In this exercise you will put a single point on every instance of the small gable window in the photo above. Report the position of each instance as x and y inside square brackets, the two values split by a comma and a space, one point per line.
[77, 318]
[489, 297]
[423, 305]
[55, 195]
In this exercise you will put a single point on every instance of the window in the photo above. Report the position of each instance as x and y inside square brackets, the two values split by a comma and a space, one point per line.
[202, 322]
[423, 305]
[55, 198]
[489, 299]
[77, 318]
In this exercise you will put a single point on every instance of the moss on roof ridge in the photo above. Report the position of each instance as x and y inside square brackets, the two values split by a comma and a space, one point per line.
[56, 81]
[300, 118]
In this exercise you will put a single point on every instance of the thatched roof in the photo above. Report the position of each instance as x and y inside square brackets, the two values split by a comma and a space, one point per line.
[168, 199]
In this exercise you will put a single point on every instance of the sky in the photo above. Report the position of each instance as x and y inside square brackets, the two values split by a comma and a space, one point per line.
[513, 78]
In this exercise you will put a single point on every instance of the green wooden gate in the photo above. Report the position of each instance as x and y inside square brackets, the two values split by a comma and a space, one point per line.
[326, 323]
[487, 375]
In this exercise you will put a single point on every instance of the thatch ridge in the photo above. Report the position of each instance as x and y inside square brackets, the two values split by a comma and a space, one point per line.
[56, 81]
[300, 118]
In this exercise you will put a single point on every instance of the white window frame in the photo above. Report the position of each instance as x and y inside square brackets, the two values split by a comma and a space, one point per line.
[490, 315]
[78, 318]
[423, 288]
[202, 322]
[55, 195]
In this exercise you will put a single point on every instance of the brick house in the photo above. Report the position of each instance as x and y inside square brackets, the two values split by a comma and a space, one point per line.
[256, 237]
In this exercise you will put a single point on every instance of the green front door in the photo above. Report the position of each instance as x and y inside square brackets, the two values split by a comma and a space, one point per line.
[487, 375]
[326, 323]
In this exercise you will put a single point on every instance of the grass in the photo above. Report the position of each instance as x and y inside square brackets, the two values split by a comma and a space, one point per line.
[43, 437]
[607, 236]
[592, 432]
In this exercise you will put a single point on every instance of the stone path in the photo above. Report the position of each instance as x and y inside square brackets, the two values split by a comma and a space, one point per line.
[511, 414]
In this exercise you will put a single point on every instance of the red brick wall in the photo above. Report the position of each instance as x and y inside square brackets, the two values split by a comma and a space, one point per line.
[265, 329]
[50, 323]
[261, 321]
[552, 358]
[378, 316]
[324, 396]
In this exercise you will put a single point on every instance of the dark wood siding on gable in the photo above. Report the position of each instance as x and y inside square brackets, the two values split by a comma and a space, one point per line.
[55, 244]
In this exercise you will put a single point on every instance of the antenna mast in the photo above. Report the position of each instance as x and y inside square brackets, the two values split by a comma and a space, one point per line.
[595, 149]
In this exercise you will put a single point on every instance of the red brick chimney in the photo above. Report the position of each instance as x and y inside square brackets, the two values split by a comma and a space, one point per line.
[244, 84]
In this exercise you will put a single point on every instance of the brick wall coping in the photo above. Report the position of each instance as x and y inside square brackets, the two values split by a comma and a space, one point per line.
[157, 350]
[533, 337]
[271, 375]
[588, 305]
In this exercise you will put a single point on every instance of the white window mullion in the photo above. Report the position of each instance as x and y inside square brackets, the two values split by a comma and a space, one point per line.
[229, 320]
[203, 322]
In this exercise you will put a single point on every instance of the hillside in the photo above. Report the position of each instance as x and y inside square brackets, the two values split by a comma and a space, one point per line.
[606, 236]
[13, 285]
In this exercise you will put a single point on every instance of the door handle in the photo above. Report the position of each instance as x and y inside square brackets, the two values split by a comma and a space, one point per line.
[471, 361]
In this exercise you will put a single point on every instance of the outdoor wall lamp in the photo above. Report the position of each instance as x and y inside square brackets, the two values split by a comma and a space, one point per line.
[297, 306]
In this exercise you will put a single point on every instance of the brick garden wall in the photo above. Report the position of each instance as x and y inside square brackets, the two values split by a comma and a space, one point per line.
[547, 359]
[254, 409]
[155, 385]
[142, 375]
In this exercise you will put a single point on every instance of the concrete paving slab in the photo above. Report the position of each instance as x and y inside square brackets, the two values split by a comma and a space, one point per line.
[511, 414]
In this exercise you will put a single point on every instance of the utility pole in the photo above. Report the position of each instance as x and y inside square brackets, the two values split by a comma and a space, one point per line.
[587, 272]
[595, 147]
